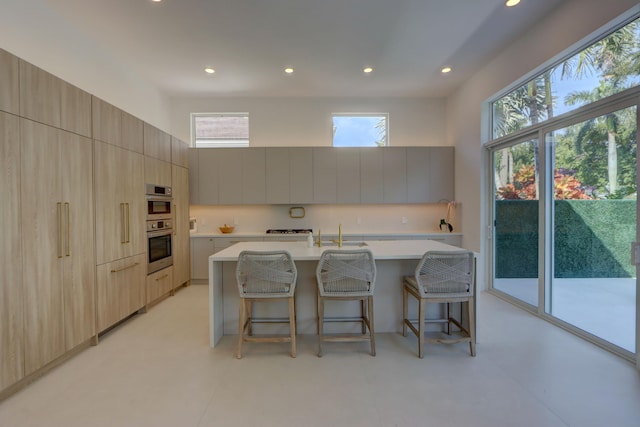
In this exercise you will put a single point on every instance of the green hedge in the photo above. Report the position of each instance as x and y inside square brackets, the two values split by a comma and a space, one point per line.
[592, 238]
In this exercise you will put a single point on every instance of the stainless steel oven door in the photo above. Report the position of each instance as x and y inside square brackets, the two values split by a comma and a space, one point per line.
[159, 247]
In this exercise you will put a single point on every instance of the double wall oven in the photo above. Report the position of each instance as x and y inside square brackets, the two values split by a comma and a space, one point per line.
[159, 227]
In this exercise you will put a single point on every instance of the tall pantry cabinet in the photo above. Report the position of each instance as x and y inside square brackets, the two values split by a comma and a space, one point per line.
[47, 300]
[120, 218]
[11, 284]
[57, 234]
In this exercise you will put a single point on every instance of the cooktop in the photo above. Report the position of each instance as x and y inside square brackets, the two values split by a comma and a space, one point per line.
[289, 230]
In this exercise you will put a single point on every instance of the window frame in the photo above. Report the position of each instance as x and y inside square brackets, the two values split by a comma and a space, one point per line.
[222, 143]
[360, 115]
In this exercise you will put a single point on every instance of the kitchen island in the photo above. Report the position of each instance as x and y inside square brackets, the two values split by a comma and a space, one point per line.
[394, 259]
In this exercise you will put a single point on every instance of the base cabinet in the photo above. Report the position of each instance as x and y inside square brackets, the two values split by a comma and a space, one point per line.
[121, 289]
[159, 284]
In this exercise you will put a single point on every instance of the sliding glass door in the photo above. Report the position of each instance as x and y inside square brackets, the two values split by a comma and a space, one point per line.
[515, 213]
[564, 214]
[593, 202]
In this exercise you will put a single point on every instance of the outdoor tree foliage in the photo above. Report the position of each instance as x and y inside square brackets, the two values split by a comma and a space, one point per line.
[593, 159]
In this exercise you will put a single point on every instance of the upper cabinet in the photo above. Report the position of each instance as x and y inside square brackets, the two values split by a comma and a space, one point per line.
[179, 152]
[75, 111]
[303, 175]
[116, 127]
[131, 132]
[40, 95]
[9, 88]
[107, 122]
[289, 175]
[324, 175]
[157, 144]
[430, 174]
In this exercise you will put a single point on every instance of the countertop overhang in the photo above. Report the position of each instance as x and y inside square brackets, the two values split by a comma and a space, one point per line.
[381, 249]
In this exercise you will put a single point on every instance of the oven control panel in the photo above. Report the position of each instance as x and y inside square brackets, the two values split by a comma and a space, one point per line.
[158, 224]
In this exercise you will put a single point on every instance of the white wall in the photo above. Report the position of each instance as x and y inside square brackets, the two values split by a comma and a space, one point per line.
[570, 23]
[364, 219]
[70, 54]
[307, 121]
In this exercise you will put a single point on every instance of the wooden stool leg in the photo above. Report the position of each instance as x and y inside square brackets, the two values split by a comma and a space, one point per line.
[472, 325]
[292, 325]
[371, 328]
[320, 324]
[241, 321]
[405, 301]
[421, 315]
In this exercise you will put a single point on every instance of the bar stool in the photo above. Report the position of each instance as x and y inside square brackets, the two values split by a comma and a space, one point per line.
[347, 275]
[265, 276]
[442, 277]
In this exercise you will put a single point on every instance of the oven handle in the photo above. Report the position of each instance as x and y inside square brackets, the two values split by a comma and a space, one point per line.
[159, 233]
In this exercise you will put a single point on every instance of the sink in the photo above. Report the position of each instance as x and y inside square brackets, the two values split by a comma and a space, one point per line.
[344, 244]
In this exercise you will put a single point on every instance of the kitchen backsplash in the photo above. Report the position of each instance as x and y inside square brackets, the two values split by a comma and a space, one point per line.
[422, 218]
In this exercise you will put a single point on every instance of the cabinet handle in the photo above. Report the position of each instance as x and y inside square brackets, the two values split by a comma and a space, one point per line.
[60, 241]
[123, 224]
[164, 276]
[128, 223]
[125, 268]
[67, 209]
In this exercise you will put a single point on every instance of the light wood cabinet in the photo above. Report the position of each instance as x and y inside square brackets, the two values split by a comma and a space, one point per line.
[121, 289]
[120, 215]
[40, 95]
[253, 176]
[159, 284]
[181, 246]
[58, 261]
[75, 110]
[132, 136]
[179, 152]
[194, 177]
[107, 122]
[11, 283]
[9, 86]
[157, 172]
[157, 144]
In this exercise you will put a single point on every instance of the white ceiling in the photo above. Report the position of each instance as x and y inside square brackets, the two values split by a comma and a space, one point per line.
[328, 42]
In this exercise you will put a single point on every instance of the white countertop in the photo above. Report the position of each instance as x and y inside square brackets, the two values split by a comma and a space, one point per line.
[419, 234]
[386, 249]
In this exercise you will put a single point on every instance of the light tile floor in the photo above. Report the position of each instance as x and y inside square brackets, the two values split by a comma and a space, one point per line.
[157, 370]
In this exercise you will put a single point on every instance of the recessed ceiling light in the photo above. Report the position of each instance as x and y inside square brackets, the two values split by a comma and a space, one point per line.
[446, 70]
[510, 3]
[367, 70]
[288, 70]
[209, 70]
[156, 1]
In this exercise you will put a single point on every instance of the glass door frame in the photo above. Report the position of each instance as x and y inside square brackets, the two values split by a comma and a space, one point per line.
[617, 102]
